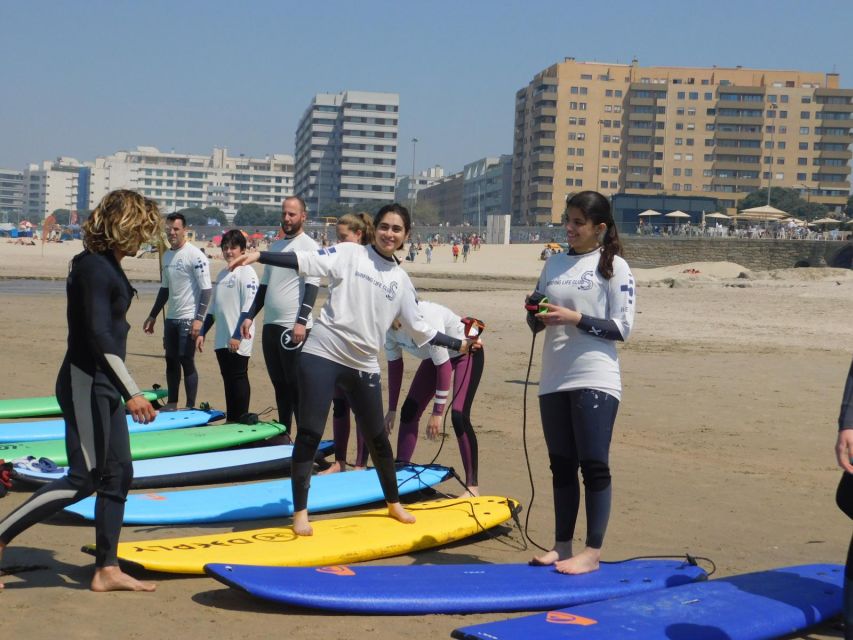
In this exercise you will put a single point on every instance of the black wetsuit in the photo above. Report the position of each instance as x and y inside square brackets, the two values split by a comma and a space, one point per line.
[844, 499]
[91, 384]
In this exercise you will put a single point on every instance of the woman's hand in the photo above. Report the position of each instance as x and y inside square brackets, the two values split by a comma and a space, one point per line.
[243, 260]
[199, 344]
[844, 449]
[471, 345]
[433, 426]
[554, 315]
[233, 345]
[390, 418]
[141, 410]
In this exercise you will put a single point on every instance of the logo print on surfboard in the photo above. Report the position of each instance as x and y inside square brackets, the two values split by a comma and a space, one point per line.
[560, 617]
[337, 570]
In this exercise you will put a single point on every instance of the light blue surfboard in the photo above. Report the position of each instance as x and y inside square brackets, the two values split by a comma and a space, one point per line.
[36, 430]
[449, 588]
[271, 499]
[233, 465]
[751, 606]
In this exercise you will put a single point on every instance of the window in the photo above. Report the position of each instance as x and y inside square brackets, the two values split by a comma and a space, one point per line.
[583, 106]
[573, 120]
[804, 131]
[688, 187]
[804, 146]
[582, 122]
[605, 138]
[780, 160]
[690, 142]
[614, 154]
[581, 135]
[608, 93]
[691, 126]
[782, 144]
[772, 98]
[805, 115]
[803, 162]
[573, 106]
[688, 173]
[586, 76]
[676, 156]
[676, 187]
[608, 108]
[806, 99]
[679, 126]
[584, 91]
[801, 176]
[688, 156]
[709, 95]
[676, 171]
[691, 111]
[783, 114]
[618, 93]
[784, 98]
[679, 111]
[768, 144]
[693, 95]
[574, 90]
[605, 169]
[679, 141]
[573, 135]
[605, 153]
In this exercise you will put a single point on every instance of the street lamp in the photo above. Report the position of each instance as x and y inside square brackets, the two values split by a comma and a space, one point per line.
[773, 106]
[414, 183]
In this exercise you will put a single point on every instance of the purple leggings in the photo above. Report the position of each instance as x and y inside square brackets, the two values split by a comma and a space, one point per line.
[467, 371]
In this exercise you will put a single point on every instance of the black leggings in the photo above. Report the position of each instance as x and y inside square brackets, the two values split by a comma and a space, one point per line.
[282, 360]
[98, 447]
[235, 377]
[578, 425]
[180, 355]
[844, 500]
[317, 380]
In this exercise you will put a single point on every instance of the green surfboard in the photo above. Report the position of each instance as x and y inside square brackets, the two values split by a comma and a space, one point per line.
[49, 406]
[157, 444]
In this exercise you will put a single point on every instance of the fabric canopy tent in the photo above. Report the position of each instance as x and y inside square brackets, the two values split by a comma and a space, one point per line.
[677, 214]
[826, 221]
[648, 213]
[762, 213]
[717, 216]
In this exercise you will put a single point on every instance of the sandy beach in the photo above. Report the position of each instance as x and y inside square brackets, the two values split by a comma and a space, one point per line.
[723, 446]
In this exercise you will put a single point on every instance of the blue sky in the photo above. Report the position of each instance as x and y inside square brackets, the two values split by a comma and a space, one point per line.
[84, 79]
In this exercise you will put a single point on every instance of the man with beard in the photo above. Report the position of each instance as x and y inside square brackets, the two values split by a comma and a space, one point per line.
[289, 299]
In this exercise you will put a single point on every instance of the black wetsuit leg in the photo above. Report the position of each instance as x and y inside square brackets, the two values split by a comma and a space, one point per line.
[180, 356]
[282, 360]
[235, 378]
[844, 500]
[578, 426]
[98, 447]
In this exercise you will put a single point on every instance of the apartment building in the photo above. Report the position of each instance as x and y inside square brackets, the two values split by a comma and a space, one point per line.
[52, 185]
[346, 148]
[446, 196]
[178, 181]
[11, 194]
[715, 132]
[486, 188]
[407, 188]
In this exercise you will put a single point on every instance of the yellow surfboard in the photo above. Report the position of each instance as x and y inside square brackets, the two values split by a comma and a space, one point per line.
[346, 540]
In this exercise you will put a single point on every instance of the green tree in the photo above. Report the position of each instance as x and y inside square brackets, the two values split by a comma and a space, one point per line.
[425, 214]
[850, 206]
[787, 200]
[62, 216]
[254, 215]
[215, 213]
[194, 215]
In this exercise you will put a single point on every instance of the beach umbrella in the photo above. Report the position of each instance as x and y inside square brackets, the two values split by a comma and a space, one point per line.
[677, 214]
[826, 221]
[648, 213]
[765, 212]
[718, 216]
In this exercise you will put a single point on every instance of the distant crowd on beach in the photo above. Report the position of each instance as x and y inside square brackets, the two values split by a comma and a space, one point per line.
[778, 231]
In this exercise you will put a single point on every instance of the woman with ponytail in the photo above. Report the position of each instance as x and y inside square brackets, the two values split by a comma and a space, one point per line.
[588, 305]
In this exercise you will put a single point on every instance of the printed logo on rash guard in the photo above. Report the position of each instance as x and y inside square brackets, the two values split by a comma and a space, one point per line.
[200, 265]
[583, 283]
[390, 289]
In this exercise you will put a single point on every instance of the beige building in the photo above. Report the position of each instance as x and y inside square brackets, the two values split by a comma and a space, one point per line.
[722, 133]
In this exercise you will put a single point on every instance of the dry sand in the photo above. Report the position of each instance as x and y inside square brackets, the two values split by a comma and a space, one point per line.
[723, 446]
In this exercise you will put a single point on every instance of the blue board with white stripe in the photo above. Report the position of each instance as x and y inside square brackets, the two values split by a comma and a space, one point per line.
[751, 606]
[259, 500]
[37, 430]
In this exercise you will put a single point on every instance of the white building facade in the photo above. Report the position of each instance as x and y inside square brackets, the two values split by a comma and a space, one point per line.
[346, 148]
[177, 181]
[487, 188]
[407, 188]
[51, 185]
[11, 195]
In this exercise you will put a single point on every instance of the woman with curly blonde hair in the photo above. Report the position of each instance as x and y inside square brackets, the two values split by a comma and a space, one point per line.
[92, 383]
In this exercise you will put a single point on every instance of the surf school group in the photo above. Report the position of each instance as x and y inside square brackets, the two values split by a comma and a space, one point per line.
[322, 360]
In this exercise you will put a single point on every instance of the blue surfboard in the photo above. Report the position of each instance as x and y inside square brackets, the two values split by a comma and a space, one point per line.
[36, 430]
[232, 465]
[258, 500]
[455, 588]
[751, 606]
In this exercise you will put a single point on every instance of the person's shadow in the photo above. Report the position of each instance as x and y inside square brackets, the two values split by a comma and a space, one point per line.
[33, 567]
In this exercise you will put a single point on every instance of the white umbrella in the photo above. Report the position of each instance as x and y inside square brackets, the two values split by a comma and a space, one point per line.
[677, 214]
[826, 221]
[718, 216]
[765, 212]
[649, 213]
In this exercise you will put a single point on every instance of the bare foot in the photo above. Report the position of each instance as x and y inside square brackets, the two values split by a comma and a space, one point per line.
[585, 562]
[336, 467]
[114, 579]
[560, 550]
[358, 468]
[301, 526]
[471, 492]
[396, 511]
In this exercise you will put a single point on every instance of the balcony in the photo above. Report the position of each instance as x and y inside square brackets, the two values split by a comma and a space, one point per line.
[644, 117]
[541, 156]
[738, 135]
[748, 120]
[741, 184]
[544, 111]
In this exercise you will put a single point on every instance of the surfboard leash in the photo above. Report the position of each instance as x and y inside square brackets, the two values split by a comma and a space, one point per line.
[526, 529]
[689, 559]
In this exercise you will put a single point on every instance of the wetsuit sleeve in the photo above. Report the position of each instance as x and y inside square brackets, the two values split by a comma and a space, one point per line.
[258, 302]
[308, 300]
[203, 303]
[395, 382]
[443, 375]
[287, 260]
[159, 302]
[96, 288]
[845, 418]
[443, 340]
[600, 328]
[208, 323]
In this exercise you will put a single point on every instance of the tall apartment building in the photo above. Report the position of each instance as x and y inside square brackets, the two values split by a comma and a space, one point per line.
[11, 194]
[717, 132]
[486, 188]
[52, 185]
[177, 180]
[346, 148]
[407, 189]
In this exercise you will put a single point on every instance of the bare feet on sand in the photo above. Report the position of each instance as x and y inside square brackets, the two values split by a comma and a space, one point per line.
[396, 511]
[586, 561]
[560, 550]
[301, 526]
[336, 467]
[114, 579]
[471, 492]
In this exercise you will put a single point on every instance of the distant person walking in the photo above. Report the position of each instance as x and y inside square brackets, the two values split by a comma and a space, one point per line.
[186, 288]
[428, 252]
[455, 251]
[466, 249]
[591, 304]
[93, 380]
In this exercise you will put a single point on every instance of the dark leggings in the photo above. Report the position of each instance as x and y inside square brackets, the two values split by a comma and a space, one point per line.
[235, 377]
[844, 500]
[341, 429]
[467, 371]
[282, 360]
[98, 447]
[318, 378]
[578, 425]
[180, 355]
